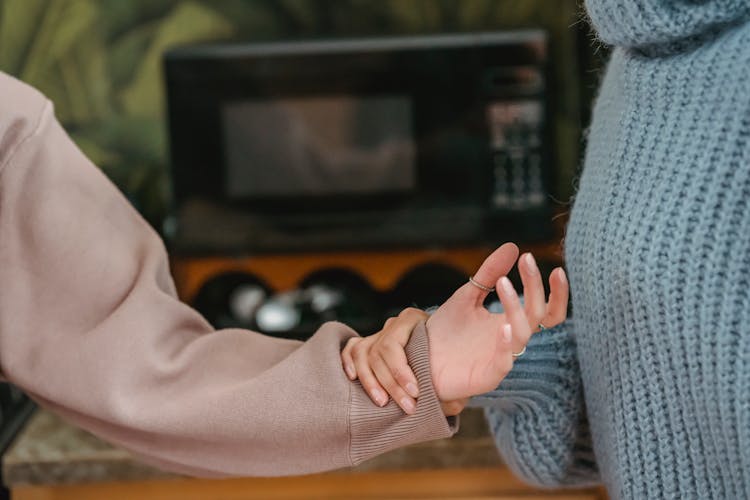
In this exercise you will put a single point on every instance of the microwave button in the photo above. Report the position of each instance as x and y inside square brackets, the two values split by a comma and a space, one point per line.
[500, 196]
[518, 184]
[536, 189]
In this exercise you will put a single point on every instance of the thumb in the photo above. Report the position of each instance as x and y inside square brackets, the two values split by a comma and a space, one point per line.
[498, 264]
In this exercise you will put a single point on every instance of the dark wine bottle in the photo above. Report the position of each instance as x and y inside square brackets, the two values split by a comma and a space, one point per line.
[334, 295]
[425, 286]
[231, 300]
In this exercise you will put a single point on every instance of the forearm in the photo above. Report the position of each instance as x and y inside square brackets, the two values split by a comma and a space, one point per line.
[538, 417]
[220, 411]
[91, 327]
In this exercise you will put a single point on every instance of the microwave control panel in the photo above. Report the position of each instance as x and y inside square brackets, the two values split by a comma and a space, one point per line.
[515, 128]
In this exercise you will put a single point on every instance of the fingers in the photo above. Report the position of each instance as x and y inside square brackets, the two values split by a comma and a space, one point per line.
[535, 304]
[388, 382]
[347, 360]
[391, 345]
[497, 264]
[388, 361]
[360, 356]
[514, 314]
[557, 308]
[380, 362]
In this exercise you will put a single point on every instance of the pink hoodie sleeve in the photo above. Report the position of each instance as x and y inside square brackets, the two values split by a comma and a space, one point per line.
[91, 328]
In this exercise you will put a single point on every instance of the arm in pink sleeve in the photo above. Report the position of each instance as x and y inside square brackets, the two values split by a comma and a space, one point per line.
[90, 327]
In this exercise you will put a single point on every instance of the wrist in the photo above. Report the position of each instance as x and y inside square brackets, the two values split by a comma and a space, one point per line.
[434, 367]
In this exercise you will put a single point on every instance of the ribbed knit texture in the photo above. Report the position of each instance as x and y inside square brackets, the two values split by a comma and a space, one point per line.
[547, 441]
[371, 436]
[658, 254]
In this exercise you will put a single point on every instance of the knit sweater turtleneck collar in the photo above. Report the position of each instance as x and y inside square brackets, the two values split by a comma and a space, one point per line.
[663, 25]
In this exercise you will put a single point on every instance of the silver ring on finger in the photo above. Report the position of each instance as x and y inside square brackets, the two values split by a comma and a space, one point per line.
[519, 354]
[482, 287]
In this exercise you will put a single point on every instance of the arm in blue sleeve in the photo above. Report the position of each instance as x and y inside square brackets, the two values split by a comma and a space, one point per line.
[538, 417]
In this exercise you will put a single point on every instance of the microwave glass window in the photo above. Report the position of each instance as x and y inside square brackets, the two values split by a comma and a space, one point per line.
[317, 146]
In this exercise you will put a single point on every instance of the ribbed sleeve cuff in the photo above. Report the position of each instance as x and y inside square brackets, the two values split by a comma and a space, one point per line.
[376, 430]
[538, 417]
[548, 369]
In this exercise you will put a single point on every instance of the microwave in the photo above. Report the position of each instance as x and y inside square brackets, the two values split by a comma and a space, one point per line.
[412, 141]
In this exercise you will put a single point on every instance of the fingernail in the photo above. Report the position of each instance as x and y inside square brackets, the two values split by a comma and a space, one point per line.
[507, 286]
[349, 369]
[412, 389]
[379, 397]
[507, 332]
[408, 405]
[563, 277]
[531, 263]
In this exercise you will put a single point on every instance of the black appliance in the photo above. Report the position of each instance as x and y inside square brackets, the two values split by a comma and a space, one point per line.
[360, 143]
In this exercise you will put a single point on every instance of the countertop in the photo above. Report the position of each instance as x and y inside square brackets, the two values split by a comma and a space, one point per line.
[49, 451]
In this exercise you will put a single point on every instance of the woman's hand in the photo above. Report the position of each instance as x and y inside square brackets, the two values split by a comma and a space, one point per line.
[470, 349]
[379, 361]
[540, 312]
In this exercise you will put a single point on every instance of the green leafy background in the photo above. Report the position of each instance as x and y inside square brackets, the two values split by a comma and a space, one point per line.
[100, 62]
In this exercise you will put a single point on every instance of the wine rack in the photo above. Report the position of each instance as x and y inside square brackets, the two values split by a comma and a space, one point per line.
[291, 295]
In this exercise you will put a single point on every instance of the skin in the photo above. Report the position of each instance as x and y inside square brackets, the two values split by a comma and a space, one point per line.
[471, 349]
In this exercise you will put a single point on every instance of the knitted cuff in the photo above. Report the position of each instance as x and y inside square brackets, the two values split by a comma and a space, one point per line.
[376, 430]
[548, 366]
[537, 415]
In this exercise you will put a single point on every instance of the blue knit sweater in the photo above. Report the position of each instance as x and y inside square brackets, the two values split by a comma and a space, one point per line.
[647, 387]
